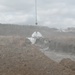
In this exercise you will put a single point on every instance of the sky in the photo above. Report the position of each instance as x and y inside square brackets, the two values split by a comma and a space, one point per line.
[51, 13]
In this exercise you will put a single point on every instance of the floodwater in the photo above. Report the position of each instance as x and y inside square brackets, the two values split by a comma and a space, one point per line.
[56, 56]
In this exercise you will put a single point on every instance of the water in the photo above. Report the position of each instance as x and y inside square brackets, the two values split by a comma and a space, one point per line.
[56, 56]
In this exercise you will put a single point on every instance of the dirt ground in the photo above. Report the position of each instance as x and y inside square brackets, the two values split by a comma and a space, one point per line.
[19, 58]
[68, 63]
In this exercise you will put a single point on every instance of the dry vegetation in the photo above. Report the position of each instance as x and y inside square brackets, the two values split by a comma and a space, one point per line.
[19, 57]
[63, 44]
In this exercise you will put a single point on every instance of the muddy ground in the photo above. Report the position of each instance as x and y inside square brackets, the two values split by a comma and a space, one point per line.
[19, 57]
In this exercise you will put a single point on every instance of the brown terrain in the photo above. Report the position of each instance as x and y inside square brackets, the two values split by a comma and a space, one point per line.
[19, 57]
[68, 63]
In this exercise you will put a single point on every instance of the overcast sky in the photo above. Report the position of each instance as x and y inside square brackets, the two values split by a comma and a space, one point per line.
[52, 13]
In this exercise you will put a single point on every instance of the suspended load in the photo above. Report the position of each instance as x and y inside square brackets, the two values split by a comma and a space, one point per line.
[34, 37]
[37, 35]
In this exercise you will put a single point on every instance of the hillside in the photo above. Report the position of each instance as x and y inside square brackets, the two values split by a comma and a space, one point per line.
[25, 30]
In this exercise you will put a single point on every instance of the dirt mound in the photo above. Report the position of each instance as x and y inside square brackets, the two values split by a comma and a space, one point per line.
[68, 63]
[27, 60]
